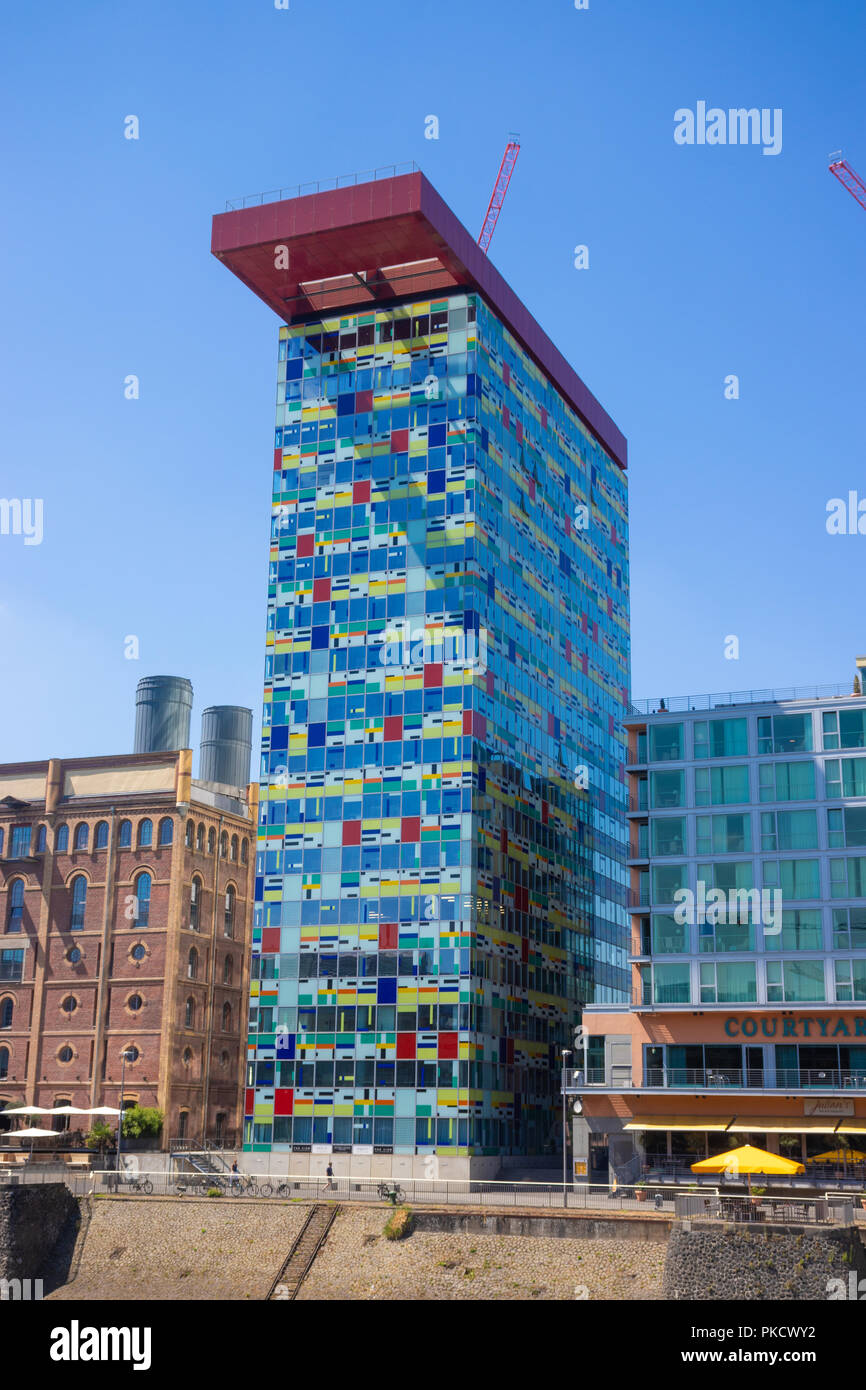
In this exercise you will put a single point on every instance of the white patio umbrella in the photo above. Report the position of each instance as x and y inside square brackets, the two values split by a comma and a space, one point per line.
[32, 1134]
[68, 1110]
[102, 1110]
[27, 1110]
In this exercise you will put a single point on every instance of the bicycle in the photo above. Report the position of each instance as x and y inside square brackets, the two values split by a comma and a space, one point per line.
[140, 1185]
[283, 1189]
[134, 1184]
[390, 1194]
[243, 1185]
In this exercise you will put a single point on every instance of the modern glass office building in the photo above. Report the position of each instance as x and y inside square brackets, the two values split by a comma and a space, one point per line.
[748, 899]
[442, 842]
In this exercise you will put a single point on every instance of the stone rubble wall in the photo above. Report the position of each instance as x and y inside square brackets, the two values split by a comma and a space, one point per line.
[716, 1260]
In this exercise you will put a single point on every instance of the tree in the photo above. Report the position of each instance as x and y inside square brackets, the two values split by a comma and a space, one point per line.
[100, 1136]
[142, 1121]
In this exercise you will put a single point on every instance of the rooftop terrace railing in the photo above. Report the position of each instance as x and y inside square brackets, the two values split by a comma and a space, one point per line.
[682, 704]
[301, 190]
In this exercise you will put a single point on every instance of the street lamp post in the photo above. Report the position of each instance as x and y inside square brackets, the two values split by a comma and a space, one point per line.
[566, 1053]
[123, 1057]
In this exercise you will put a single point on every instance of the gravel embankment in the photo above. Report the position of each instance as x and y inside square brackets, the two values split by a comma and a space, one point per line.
[358, 1263]
[189, 1248]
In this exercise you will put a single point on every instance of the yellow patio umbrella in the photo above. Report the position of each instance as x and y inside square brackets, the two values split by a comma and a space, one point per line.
[839, 1156]
[747, 1160]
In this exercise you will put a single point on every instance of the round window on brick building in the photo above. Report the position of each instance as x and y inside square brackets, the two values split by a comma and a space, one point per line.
[73, 955]
[65, 1054]
[132, 1053]
[138, 951]
[187, 1056]
[135, 1002]
[69, 1004]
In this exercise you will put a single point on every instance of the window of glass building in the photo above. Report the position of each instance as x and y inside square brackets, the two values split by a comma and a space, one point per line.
[729, 982]
[727, 874]
[846, 828]
[668, 880]
[844, 777]
[666, 743]
[797, 878]
[669, 937]
[848, 878]
[845, 728]
[787, 781]
[721, 786]
[795, 981]
[849, 928]
[789, 830]
[670, 983]
[669, 835]
[785, 733]
[850, 981]
[721, 738]
[667, 789]
[723, 834]
[801, 930]
[719, 938]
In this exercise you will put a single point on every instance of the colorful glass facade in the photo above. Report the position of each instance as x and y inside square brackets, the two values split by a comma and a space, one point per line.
[440, 874]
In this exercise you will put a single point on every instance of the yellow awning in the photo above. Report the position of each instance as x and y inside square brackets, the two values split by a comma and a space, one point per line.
[774, 1124]
[695, 1122]
[851, 1127]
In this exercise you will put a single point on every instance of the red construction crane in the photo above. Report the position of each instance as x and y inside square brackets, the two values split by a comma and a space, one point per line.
[500, 188]
[842, 170]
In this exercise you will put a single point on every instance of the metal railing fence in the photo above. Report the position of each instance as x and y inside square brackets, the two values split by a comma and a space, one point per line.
[300, 190]
[638, 1197]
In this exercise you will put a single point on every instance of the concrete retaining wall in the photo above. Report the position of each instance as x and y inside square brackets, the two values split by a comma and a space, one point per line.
[570, 1227]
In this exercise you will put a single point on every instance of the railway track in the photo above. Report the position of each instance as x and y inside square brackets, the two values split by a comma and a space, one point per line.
[306, 1247]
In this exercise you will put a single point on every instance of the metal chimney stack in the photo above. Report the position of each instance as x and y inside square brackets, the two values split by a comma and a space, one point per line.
[163, 709]
[226, 745]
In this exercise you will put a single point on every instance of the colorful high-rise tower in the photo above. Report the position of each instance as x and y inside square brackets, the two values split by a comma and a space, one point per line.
[441, 852]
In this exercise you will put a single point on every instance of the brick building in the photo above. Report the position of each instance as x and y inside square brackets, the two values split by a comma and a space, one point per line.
[126, 893]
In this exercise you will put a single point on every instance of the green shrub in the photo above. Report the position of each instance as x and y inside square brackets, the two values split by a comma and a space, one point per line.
[214, 1192]
[399, 1224]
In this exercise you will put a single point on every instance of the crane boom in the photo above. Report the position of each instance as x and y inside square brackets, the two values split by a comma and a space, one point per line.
[500, 188]
[841, 169]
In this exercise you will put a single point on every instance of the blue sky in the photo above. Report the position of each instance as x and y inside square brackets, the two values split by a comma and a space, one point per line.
[704, 261]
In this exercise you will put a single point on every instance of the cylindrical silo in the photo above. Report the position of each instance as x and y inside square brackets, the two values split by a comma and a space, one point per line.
[226, 745]
[163, 709]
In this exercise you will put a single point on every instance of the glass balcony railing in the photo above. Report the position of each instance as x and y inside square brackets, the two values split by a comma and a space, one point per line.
[707, 1078]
